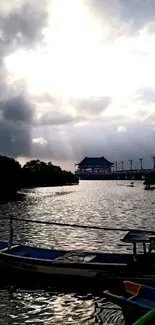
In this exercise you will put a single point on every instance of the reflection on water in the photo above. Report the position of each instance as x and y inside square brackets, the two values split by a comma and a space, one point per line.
[102, 203]
[55, 308]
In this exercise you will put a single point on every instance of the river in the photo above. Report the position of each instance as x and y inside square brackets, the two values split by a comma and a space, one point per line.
[102, 203]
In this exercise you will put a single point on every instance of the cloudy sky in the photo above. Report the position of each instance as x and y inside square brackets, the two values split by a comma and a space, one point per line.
[77, 78]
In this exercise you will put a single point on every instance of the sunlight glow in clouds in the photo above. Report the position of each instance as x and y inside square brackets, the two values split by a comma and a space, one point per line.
[78, 78]
[77, 61]
[74, 62]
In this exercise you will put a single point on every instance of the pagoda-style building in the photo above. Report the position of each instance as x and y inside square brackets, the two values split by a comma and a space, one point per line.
[92, 165]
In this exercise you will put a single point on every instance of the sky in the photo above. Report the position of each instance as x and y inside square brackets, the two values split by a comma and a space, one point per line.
[77, 78]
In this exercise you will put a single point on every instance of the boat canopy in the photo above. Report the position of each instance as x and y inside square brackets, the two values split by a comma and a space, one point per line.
[139, 236]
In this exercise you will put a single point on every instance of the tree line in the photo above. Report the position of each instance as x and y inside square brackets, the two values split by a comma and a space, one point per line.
[34, 173]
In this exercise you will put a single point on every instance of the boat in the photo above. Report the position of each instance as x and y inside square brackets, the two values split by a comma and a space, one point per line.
[135, 299]
[134, 295]
[149, 185]
[3, 244]
[97, 269]
[44, 265]
[131, 184]
[147, 319]
[149, 188]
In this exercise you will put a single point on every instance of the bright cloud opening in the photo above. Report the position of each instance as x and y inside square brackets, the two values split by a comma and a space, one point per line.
[121, 129]
[74, 60]
[40, 140]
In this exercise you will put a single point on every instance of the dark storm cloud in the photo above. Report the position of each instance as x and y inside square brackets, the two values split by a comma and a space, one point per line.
[16, 116]
[16, 120]
[17, 109]
[15, 139]
[91, 105]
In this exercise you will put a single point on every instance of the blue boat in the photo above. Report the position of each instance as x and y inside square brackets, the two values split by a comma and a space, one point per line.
[43, 265]
[135, 300]
[29, 262]
[135, 295]
[3, 245]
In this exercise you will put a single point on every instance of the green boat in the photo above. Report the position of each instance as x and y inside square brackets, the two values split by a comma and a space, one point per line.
[148, 319]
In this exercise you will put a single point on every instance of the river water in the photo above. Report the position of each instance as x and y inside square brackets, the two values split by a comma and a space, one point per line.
[102, 203]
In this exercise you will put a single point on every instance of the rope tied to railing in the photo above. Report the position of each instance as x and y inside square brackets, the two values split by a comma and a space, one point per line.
[93, 227]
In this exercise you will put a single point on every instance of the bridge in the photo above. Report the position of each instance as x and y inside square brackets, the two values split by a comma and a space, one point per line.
[114, 175]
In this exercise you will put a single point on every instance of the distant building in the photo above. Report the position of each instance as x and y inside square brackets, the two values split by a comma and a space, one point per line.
[93, 165]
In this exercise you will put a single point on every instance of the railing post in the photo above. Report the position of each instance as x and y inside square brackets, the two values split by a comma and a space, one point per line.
[10, 232]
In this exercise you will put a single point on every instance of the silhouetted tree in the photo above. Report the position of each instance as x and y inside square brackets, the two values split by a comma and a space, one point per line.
[38, 173]
[34, 173]
[10, 175]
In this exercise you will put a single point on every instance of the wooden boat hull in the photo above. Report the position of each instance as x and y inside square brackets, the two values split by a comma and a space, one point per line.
[99, 269]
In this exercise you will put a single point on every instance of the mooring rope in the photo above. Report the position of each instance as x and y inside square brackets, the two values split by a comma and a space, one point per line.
[78, 226]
